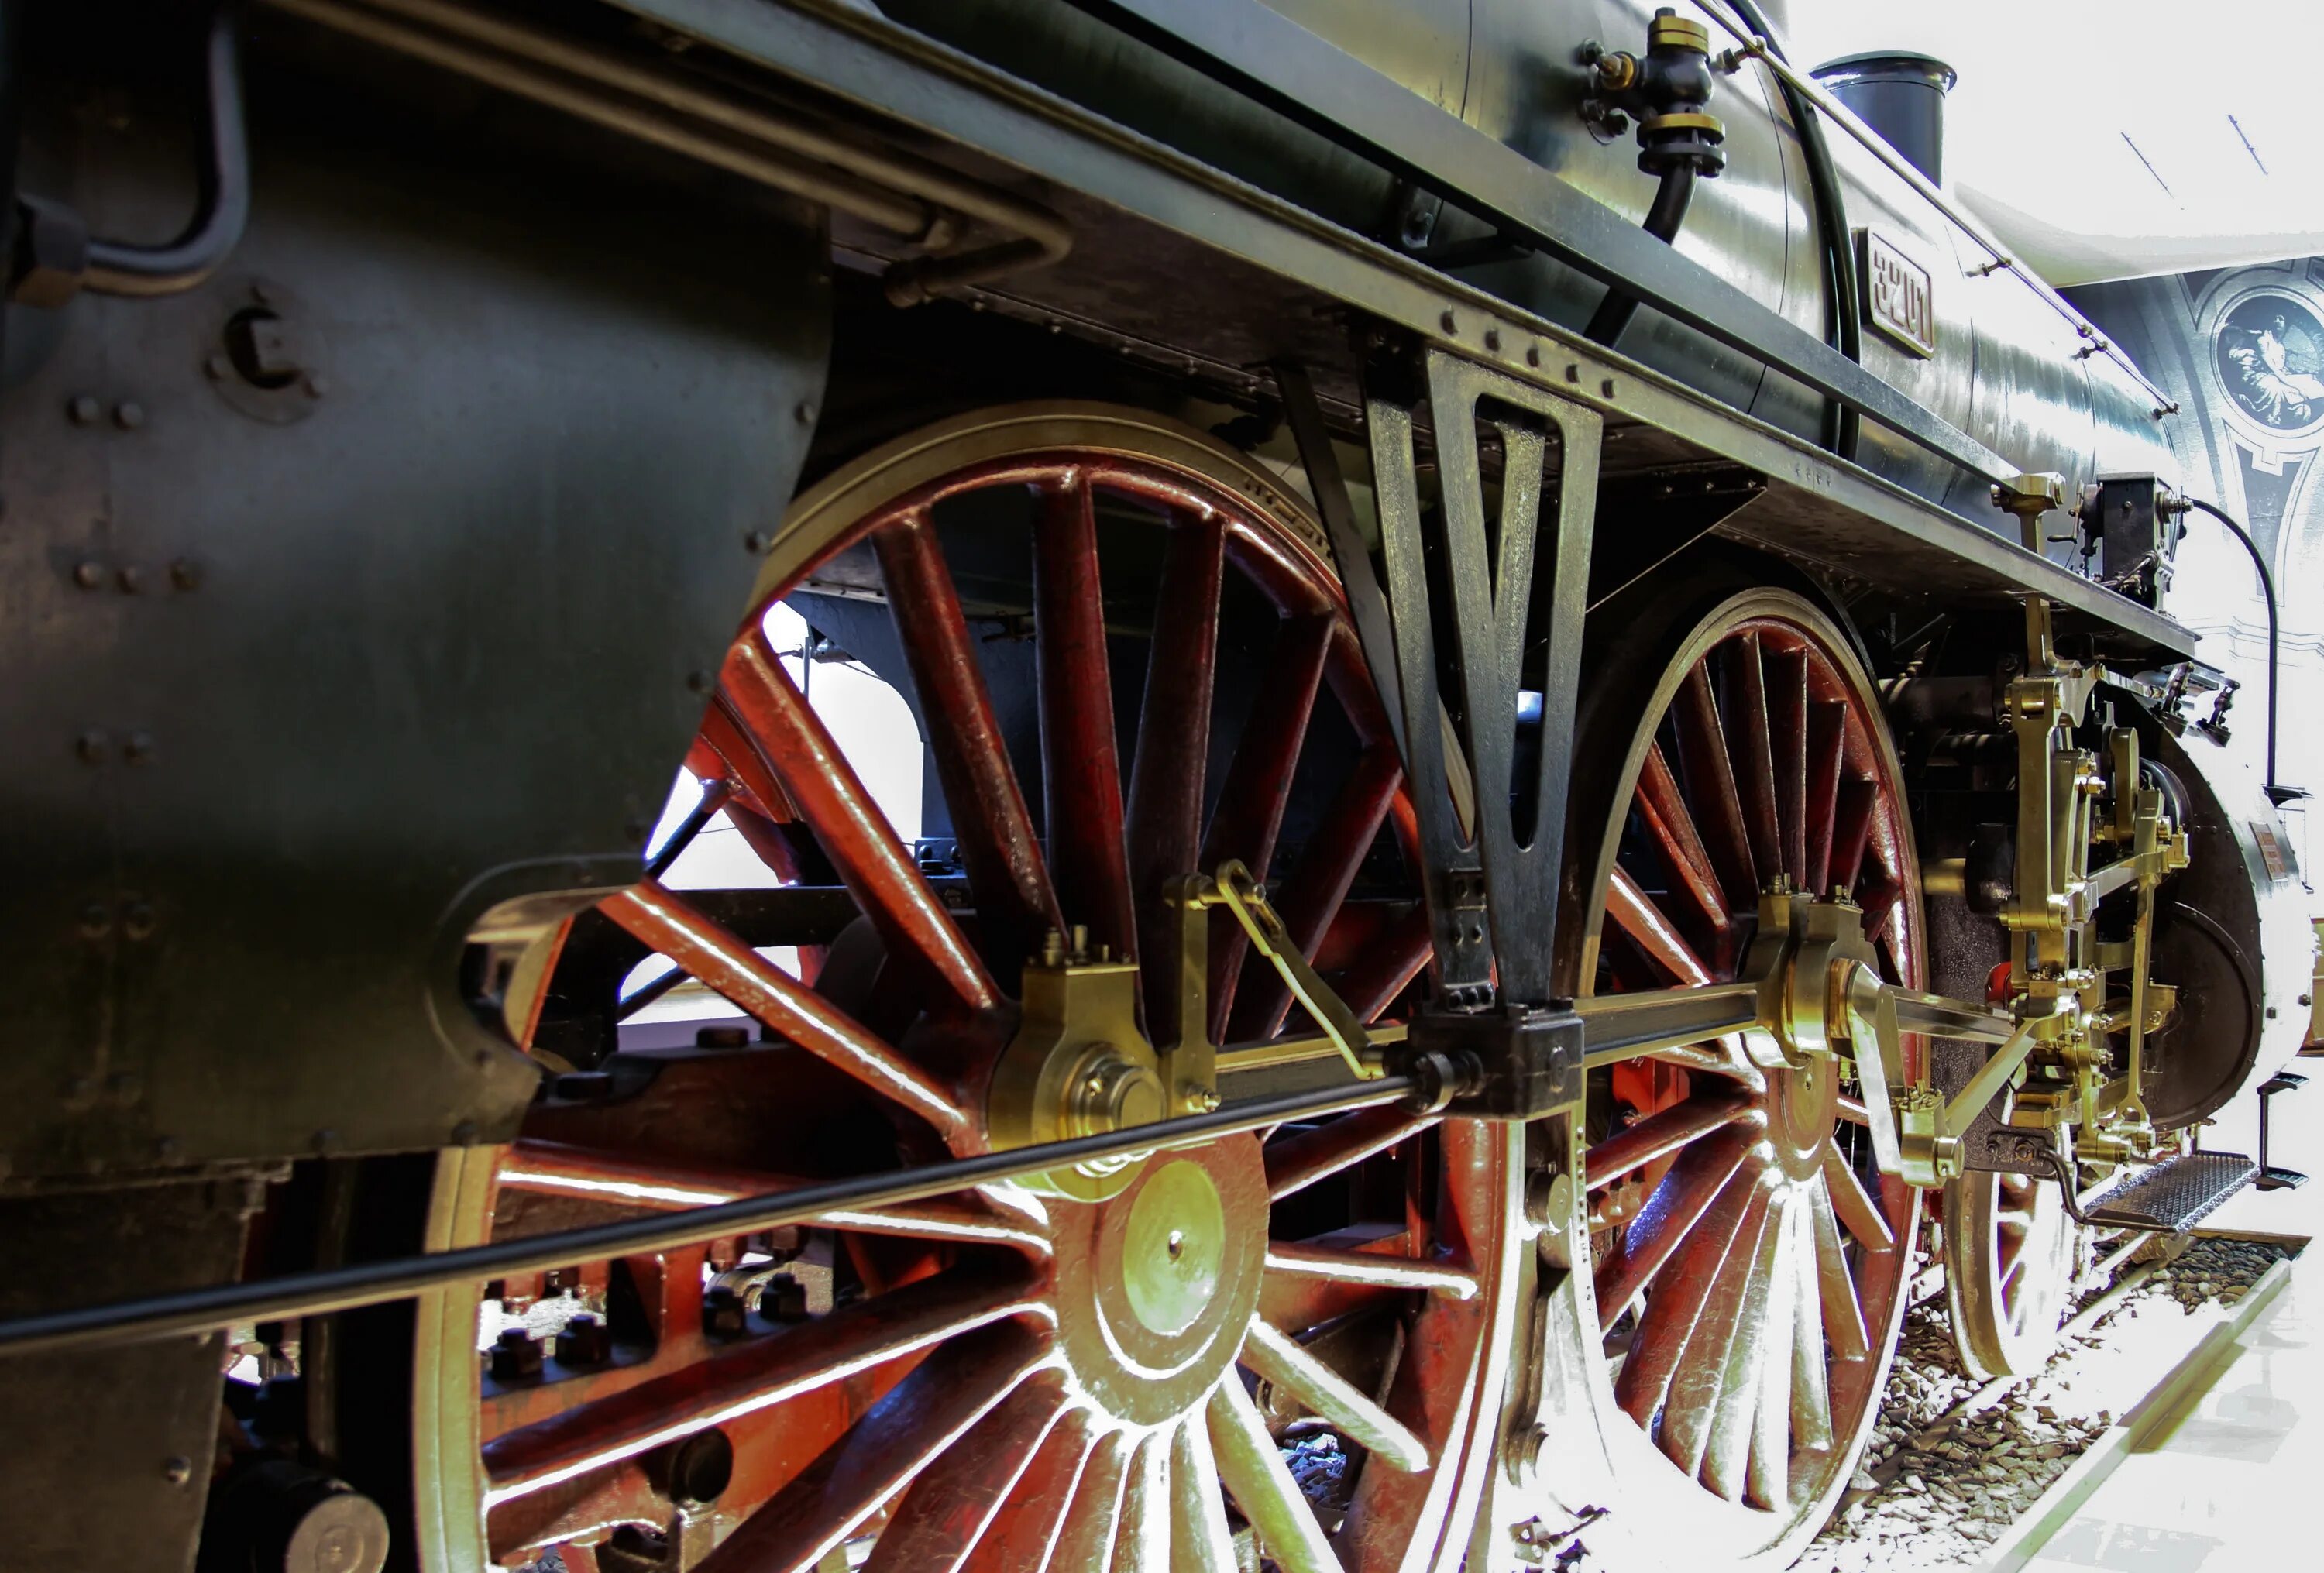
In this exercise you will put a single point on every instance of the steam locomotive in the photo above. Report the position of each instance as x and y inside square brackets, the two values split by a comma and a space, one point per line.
[1545, 739]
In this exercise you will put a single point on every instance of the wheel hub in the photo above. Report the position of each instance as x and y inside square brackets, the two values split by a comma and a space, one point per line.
[1157, 1285]
[1078, 1066]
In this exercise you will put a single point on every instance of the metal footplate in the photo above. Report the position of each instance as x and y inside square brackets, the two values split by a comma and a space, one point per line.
[2174, 1195]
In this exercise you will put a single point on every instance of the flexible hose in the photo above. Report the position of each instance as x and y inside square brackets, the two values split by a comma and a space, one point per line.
[2267, 593]
[222, 172]
[1667, 212]
[1842, 331]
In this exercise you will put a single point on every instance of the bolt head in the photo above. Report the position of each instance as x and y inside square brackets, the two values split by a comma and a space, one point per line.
[82, 410]
[1449, 322]
[177, 1470]
[89, 574]
[516, 1355]
[91, 745]
[130, 577]
[584, 1341]
[129, 415]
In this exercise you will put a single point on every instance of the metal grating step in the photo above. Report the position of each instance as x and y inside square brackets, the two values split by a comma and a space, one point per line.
[2174, 1195]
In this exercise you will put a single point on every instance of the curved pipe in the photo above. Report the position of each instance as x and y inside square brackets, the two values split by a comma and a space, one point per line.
[1663, 218]
[1842, 330]
[2267, 591]
[221, 210]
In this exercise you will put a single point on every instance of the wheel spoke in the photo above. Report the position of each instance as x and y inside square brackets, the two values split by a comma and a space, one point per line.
[1164, 824]
[1664, 1132]
[1811, 1384]
[1393, 959]
[741, 764]
[1843, 1314]
[1743, 708]
[1710, 777]
[1851, 823]
[1672, 825]
[1786, 673]
[1259, 783]
[653, 1185]
[1675, 1309]
[1370, 1267]
[1200, 1541]
[1767, 1477]
[1705, 1173]
[1081, 767]
[1317, 886]
[1295, 1162]
[1827, 750]
[1015, 903]
[1085, 1544]
[946, 1508]
[1142, 1543]
[1719, 1350]
[1275, 1356]
[1024, 1531]
[711, 952]
[1858, 1213]
[926, 1412]
[1635, 912]
[861, 844]
[769, 1371]
[1262, 1487]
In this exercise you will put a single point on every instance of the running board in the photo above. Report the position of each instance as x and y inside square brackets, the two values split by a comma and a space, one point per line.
[2175, 1195]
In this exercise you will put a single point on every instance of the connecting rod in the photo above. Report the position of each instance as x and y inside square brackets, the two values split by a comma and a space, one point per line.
[204, 1310]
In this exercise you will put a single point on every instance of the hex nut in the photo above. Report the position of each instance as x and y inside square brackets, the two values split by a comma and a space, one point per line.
[723, 1315]
[584, 1341]
[516, 1355]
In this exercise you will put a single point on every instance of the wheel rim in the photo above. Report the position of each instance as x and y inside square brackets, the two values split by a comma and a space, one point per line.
[1021, 1381]
[1744, 1262]
[2010, 1255]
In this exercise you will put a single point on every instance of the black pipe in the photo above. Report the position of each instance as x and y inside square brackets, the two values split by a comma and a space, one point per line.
[222, 207]
[2275, 794]
[312, 1293]
[1842, 330]
[1663, 220]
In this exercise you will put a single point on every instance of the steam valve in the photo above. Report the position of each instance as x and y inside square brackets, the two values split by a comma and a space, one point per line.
[1668, 93]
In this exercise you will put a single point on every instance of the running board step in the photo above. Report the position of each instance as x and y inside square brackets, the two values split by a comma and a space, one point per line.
[2174, 1195]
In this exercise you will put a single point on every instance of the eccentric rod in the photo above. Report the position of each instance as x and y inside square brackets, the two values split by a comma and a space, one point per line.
[201, 1310]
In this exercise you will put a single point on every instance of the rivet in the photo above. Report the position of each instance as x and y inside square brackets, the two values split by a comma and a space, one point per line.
[140, 747]
[1533, 355]
[129, 415]
[698, 681]
[138, 922]
[1572, 372]
[184, 574]
[130, 577]
[90, 746]
[217, 367]
[805, 413]
[755, 542]
[1492, 338]
[177, 1470]
[1448, 323]
[81, 409]
[1606, 388]
[316, 384]
[96, 921]
[89, 574]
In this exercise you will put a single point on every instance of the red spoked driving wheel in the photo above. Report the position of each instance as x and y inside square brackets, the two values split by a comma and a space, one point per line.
[1744, 1262]
[1285, 1347]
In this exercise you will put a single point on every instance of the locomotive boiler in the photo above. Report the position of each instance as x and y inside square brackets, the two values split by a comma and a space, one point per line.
[1532, 734]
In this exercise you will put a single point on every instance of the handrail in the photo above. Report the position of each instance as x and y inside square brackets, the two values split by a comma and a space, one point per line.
[1815, 92]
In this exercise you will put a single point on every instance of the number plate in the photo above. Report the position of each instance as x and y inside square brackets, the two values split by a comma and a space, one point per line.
[1899, 296]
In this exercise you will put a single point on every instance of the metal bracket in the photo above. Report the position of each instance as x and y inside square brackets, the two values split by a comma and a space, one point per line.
[1501, 587]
